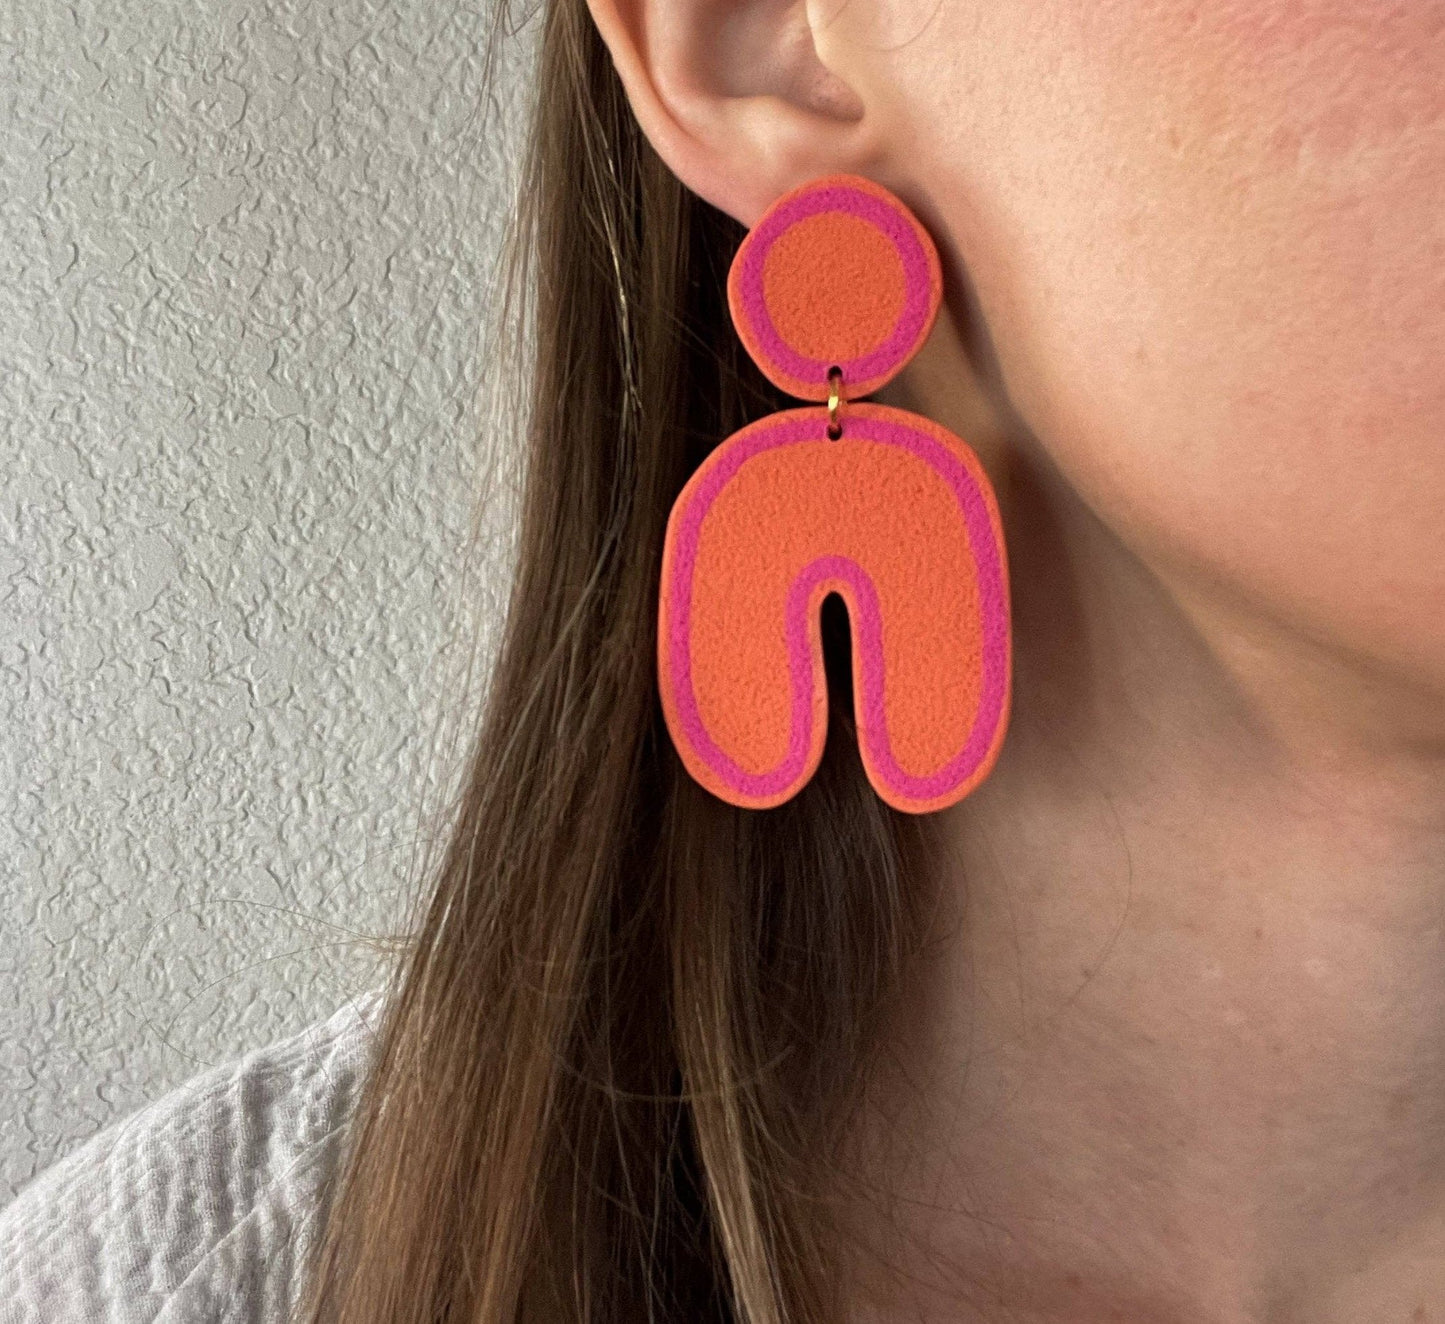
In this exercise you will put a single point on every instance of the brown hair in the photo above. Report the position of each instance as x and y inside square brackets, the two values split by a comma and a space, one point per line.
[624, 1038]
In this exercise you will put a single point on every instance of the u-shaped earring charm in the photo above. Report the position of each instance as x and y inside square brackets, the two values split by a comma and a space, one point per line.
[832, 292]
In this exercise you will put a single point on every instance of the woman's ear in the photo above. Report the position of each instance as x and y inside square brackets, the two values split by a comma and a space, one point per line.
[734, 97]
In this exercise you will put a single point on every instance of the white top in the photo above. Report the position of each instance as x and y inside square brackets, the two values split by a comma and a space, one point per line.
[201, 1207]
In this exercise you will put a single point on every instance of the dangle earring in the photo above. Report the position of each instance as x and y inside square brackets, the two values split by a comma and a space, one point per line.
[832, 292]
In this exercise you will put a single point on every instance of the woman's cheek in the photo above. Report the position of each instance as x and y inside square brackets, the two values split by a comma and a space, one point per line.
[1207, 243]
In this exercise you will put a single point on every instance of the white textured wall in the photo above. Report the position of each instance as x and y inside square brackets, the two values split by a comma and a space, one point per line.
[245, 253]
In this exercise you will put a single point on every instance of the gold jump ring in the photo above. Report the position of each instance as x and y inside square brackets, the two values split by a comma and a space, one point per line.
[835, 402]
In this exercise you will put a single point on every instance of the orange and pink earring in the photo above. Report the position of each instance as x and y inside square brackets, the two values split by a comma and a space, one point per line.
[832, 292]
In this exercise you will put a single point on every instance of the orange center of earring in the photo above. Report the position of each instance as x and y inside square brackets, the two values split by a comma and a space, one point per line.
[834, 286]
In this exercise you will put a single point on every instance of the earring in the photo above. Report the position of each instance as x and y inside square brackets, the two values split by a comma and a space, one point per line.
[832, 292]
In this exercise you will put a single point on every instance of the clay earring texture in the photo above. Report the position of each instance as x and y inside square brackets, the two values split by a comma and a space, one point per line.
[894, 514]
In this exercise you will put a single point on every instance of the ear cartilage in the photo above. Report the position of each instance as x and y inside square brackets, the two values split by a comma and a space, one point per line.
[832, 292]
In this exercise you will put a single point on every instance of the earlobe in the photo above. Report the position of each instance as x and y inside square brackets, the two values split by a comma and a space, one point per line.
[733, 96]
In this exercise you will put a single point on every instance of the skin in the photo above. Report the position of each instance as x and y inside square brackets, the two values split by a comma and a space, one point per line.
[1174, 1051]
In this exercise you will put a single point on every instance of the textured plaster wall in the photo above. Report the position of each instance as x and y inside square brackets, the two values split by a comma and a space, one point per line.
[246, 262]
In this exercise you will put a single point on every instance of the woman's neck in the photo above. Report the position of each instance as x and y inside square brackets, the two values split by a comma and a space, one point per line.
[1176, 1048]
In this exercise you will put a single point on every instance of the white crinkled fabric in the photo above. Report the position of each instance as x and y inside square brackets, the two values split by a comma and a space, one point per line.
[201, 1207]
